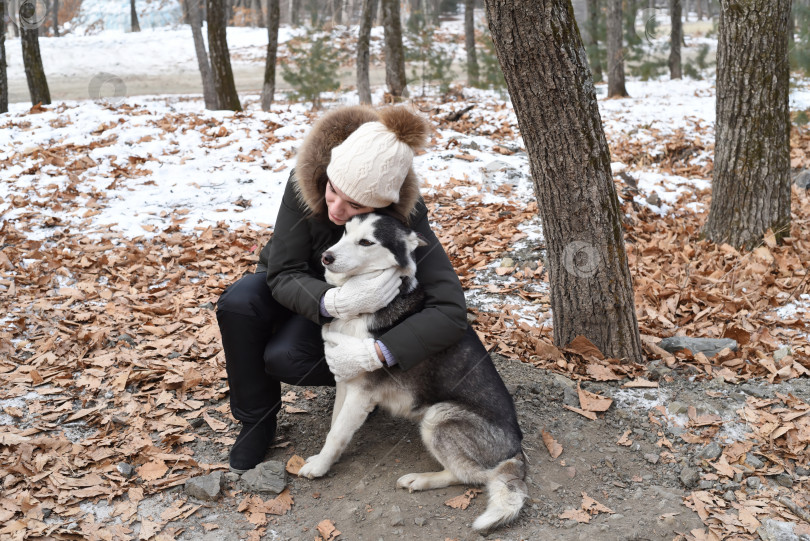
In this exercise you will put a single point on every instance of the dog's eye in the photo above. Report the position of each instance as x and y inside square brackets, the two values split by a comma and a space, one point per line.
[364, 242]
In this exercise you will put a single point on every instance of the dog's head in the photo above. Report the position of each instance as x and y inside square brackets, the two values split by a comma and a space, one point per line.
[372, 242]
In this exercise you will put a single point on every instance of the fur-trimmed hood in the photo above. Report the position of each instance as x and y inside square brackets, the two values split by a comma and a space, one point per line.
[332, 129]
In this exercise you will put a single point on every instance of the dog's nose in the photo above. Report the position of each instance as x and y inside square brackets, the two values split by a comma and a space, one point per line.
[327, 258]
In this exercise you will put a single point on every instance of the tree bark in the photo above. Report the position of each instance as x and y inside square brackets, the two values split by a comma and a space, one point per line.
[363, 44]
[194, 14]
[34, 72]
[225, 89]
[394, 54]
[751, 185]
[469, 42]
[295, 12]
[675, 37]
[3, 72]
[134, 25]
[269, 87]
[55, 17]
[615, 51]
[593, 39]
[543, 61]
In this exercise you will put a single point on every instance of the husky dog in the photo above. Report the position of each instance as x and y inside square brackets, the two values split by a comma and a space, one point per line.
[467, 417]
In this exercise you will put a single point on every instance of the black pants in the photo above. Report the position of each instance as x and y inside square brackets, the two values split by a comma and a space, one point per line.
[265, 344]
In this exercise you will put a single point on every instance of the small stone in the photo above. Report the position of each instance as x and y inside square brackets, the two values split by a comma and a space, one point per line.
[205, 487]
[231, 477]
[207, 305]
[689, 477]
[652, 458]
[781, 353]
[419, 521]
[706, 485]
[196, 423]
[738, 477]
[568, 524]
[676, 407]
[711, 451]
[729, 496]
[125, 469]
[776, 530]
[752, 460]
[570, 397]
[708, 346]
[784, 480]
[802, 471]
[753, 482]
[802, 180]
[269, 476]
[654, 200]
[507, 262]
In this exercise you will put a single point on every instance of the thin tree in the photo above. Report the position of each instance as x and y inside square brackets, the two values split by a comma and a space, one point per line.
[258, 16]
[593, 40]
[363, 41]
[394, 53]
[32, 60]
[225, 89]
[3, 73]
[55, 17]
[134, 25]
[615, 50]
[539, 47]
[193, 12]
[469, 42]
[269, 86]
[751, 185]
[675, 38]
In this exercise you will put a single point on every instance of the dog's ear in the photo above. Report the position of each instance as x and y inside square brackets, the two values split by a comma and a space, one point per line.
[420, 240]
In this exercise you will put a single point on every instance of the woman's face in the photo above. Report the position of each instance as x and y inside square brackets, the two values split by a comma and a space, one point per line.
[341, 208]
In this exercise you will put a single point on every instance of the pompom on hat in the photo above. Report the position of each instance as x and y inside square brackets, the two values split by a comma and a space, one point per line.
[371, 164]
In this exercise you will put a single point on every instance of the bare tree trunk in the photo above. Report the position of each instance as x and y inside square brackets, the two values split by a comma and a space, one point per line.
[3, 72]
[227, 98]
[700, 10]
[469, 42]
[539, 47]
[192, 8]
[295, 12]
[593, 39]
[363, 41]
[751, 185]
[269, 87]
[134, 25]
[615, 50]
[676, 35]
[394, 55]
[34, 72]
[258, 14]
[337, 11]
[55, 17]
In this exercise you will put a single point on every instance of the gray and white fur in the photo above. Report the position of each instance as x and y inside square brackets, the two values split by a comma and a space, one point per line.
[467, 417]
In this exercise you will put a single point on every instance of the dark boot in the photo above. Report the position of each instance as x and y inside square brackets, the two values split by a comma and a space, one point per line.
[252, 444]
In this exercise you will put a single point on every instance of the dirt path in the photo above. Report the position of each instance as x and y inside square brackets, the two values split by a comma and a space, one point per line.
[248, 77]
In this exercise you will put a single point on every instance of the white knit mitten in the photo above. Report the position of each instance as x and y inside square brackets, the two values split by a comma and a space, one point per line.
[348, 356]
[362, 294]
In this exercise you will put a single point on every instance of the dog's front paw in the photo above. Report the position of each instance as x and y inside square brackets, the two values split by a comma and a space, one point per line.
[411, 481]
[315, 467]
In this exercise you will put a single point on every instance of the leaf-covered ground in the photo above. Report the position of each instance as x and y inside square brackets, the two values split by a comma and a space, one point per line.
[122, 224]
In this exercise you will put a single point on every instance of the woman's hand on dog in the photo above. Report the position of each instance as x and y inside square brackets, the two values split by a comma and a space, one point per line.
[362, 294]
[348, 357]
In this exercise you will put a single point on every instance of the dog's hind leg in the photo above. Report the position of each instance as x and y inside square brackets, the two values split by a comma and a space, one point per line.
[352, 415]
[459, 469]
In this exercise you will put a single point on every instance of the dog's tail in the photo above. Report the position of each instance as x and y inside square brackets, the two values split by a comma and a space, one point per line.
[507, 492]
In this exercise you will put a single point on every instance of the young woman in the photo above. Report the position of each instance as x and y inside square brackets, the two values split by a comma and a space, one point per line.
[355, 160]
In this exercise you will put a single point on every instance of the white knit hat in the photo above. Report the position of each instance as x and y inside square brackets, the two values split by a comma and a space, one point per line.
[370, 165]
